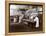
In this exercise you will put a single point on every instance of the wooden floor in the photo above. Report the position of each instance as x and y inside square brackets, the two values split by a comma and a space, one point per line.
[23, 28]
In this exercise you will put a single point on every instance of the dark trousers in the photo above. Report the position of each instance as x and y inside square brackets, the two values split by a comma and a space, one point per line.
[31, 25]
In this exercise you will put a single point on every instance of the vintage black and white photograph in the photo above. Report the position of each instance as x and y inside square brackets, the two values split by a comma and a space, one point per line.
[25, 17]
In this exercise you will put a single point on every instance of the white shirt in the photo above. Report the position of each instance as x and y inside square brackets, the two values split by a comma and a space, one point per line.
[37, 21]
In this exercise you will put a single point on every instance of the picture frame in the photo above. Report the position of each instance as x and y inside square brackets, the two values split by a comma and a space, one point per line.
[7, 17]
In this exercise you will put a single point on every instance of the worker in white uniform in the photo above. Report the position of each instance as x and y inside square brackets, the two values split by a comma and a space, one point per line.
[33, 13]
